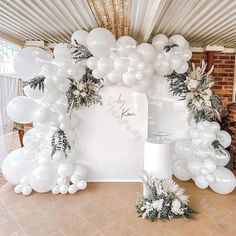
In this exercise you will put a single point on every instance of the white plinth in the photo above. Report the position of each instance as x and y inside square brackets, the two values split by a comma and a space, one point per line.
[111, 137]
[158, 159]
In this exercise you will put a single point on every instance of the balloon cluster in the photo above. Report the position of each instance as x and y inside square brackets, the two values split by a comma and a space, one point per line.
[121, 61]
[33, 167]
[172, 54]
[203, 157]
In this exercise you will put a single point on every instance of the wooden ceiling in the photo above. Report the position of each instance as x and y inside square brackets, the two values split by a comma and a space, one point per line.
[202, 22]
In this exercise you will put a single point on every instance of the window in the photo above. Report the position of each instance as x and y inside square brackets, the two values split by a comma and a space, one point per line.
[7, 53]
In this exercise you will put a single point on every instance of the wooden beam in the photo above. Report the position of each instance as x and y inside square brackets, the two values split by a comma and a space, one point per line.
[11, 39]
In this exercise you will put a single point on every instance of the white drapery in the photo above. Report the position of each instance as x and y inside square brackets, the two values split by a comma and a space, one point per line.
[8, 90]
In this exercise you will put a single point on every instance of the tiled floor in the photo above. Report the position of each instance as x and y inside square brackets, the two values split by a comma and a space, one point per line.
[107, 209]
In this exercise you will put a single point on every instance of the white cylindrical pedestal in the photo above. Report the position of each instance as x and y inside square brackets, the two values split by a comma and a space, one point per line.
[158, 158]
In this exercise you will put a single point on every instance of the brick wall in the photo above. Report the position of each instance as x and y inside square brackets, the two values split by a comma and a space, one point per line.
[224, 78]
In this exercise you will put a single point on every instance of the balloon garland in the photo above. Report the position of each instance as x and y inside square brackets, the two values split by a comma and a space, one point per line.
[56, 86]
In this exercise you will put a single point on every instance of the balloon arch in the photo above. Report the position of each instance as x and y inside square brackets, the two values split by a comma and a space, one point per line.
[59, 84]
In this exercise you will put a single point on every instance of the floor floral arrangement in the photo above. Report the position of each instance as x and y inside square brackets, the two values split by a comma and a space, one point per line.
[164, 200]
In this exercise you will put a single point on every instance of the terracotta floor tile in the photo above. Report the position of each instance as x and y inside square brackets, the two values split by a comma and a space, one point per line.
[100, 219]
[118, 228]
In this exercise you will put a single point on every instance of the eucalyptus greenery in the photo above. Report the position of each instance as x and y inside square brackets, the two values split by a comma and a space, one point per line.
[79, 51]
[164, 200]
[195, 86]
[84, 92]
[36, 82]
[167, 48]
[60, 142]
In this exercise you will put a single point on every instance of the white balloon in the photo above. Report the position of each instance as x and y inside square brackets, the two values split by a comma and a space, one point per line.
[42, 115]
[81, 171]
[208, 136]
[43, 179]
[26, 190]
[142, 86]
[105, 65]
[194, 166]
[221, 157]
[178, 39]
[55, 189]
[209, 164]
[164, 67]
[62, 53]
[59, 156]
[224, 138]
[224, 181]
[215, 126]
[100, 41]
[15, 167]
[75, 179]
[147, 51]
[201, 182]
[97, 74]
[180, 170]
[187, 54]
[33, 93]
[65, 169]
[126, 44]
[159, 41]
[79, 37]
[204, 171]
[64, 87]
[121, 64]
[183, 148]
[61, 180]
[114, 76]
[73, 189]
[202, 151]
[29, 137]
[176, 61]
[25, 62]
[21, 109]
[194, 133]
[63, 189]
[182, 69]
[82, 185]
[129, 79]
[92, 63]
[18, 189]
[210, 178]
[135, 58]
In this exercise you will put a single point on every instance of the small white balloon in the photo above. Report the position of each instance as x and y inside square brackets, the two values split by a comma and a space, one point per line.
[97, 74]
[183, 148]
[129, 79]
[61, 180]
[121, 64]
[18, 189]
[201, 182]
[42, 115]
[26, 190]
[63, 189]
[187, 54]
[125, 44]
[180, 170]
[114, 77]
[194, 166]
[59, 156]
[215, 126]
[210, 178]
[178, 39]
[73, 189]
[224, 138]
[92, 63]
[204, 171]
[55, 189]
[75, 179]
[135, 58]
[147, 51]
[82, 185]
[176, 61]
[183, 68]
[209, 164]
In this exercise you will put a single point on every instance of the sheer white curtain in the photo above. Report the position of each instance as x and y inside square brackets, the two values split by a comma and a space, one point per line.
[8, 90]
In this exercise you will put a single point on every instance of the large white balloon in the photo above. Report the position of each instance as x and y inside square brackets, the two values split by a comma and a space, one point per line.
[42, 115]
[25, 63]
[21, 109]
[201, 182]
[160, 41]
[126, 44]
[43, 179]
[224, 181]
[15, 167]
[100, 41]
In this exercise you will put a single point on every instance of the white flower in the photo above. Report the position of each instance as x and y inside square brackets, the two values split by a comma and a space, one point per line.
[76, 92]
[158, 204]
[83, 94]
[176, 204]
[192, 84]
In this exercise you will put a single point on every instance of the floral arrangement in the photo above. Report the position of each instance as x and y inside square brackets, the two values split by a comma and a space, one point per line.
[164, 200]
[195, 86]
[84, 92]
